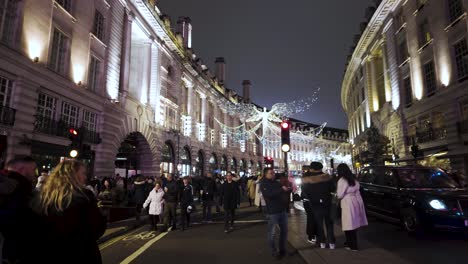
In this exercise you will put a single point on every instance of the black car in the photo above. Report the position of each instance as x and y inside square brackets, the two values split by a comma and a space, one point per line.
[420, 197]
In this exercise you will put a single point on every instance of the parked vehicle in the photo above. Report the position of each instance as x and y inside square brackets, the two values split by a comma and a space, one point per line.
[421, 198]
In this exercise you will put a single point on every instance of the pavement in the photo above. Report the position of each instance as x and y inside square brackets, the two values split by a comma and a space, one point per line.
[380, 242]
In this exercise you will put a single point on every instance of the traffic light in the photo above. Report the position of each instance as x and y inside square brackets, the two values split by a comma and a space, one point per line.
[75, 146]
[285, 138]
[269, 162]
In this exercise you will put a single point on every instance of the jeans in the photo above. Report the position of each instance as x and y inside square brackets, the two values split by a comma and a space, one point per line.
[322, 214]
[280, 219]
[207, 205]
[170, 216]
[311, 229]
[229, 215]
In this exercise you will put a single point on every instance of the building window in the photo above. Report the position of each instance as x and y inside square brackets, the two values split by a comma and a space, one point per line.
[430, 78]
[46, 106]
[89, 120]
[98, 26]
[59, 52]
[5, 91]
[8, 19]
[424, 33]
[94, 74]
[66, 4]
[69, 114]
[408, 91]
[455, 8]
[461, 51]
[402, 48]
[171, 118]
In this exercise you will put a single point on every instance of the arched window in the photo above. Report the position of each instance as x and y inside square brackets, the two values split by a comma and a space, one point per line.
[224, 165]
[167, 165]
[213, 163]
[186, 162]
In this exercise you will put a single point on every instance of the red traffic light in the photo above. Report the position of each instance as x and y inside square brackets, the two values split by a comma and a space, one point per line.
[73, 131]
[268, 158]
[285, 125]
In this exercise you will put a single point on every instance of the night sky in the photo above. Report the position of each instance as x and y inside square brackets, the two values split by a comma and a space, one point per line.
[286, 48]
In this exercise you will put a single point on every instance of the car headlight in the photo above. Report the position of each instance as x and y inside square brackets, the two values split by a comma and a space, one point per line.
[438, 204]
[298, 181]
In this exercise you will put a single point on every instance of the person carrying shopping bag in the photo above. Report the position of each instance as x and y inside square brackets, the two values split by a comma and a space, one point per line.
[353, 212]
[155, 201]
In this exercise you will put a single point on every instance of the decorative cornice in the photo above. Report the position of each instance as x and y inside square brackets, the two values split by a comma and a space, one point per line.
[373, 28]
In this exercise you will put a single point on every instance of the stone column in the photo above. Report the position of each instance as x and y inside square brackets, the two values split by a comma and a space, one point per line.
[155, 86]
[147, 64]
[388, 88]
[374, 96]
[126, 52]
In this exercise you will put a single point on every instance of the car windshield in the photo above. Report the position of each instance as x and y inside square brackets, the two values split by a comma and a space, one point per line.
[426, 178]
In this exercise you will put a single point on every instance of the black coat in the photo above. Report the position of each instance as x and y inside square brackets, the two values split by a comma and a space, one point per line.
[72, 234]
[230, 195]
[273, 194]
[317, 188]
[140, 192]
[186, 195]
[172, 194]
[17, 220]
[209, 189]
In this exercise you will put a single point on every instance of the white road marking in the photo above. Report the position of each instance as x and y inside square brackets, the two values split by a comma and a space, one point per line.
[140, 251]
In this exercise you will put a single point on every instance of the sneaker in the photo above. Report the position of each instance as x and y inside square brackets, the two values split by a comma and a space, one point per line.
[313, 241]
[226, 231]
[332, 246]
[323, 245]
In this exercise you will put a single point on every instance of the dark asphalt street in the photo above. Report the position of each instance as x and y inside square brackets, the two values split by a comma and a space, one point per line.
[202, 243]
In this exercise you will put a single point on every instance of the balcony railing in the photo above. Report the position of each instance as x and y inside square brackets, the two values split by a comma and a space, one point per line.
[60, 128]
[7, 115]
[429, 135]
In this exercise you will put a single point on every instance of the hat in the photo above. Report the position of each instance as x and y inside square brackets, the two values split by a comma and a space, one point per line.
[315, 165]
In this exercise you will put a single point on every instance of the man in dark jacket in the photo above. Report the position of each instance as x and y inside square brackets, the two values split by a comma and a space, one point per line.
[171, 198]
[186, 203]
[229, 199]
[276, 207]
[16, 217]
[317, 187]
[139, 195]
[208, 193]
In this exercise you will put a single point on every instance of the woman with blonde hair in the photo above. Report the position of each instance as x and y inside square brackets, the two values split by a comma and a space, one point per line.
[70, 219]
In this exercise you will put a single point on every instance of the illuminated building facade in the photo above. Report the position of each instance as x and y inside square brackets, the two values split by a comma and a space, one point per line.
[126, 77]
[407, 77]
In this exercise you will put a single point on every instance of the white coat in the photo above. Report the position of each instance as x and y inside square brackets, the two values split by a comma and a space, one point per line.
[353, 213]
[155, 201]
[259, 200]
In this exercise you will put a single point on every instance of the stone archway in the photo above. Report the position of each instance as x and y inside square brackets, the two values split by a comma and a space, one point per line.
[213, 163]
[224, 165]
[134, 156]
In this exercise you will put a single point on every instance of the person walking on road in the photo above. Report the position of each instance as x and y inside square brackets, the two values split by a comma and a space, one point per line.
[318, 187]
[16, 217]
[251, 190]
[186, 203]
[155, 201]
[71, 222]
[229, 199]
[353, 212]
[276, 209]
[311, 229]
[208, 195]
[171, 198]
[139, 195]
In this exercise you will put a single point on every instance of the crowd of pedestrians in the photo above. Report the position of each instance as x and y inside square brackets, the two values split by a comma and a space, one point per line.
[65, 210]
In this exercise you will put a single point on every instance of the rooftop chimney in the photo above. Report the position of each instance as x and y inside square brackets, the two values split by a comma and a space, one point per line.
[246, 85]
[184, 26]
[220, 70]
